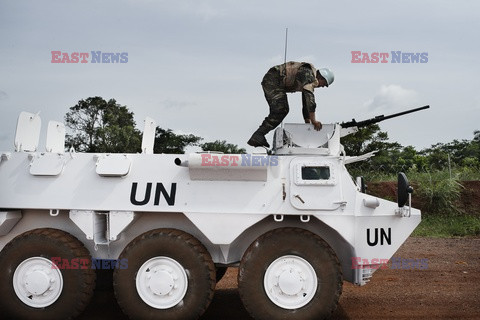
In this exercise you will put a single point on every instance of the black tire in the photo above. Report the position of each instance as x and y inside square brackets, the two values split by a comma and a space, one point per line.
[184, 249]
[78, 284]
[290, 242]
[220, 272]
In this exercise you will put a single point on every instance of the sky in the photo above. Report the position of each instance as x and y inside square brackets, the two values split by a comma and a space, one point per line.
[195, 66]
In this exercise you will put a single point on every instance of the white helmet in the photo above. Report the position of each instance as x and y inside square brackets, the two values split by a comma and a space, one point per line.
[327, 74]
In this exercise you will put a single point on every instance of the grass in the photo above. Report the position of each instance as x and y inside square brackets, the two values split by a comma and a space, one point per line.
[446, 226]
[439, 192]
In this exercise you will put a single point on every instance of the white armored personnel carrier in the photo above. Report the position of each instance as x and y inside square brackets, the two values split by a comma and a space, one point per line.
[295, 223]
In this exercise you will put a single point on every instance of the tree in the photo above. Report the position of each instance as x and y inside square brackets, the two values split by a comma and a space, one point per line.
[356, 143]
[97, 125]
[370, 139]
[476, 145]
[476, 135]
[168, 142]
[441, 155]
[222, 146]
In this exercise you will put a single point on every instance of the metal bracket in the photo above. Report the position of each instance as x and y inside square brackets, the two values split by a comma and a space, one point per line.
[305, 218]
[118, 221]
[359, 158]
[404, 212]
[8, 220]
[72, 152]
[102, 227]
[346, 131]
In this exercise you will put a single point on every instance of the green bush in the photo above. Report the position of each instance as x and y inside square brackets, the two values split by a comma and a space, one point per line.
[438, 191]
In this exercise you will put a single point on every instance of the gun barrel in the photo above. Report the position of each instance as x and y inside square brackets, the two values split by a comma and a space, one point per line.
[404, 112]
[367, 122]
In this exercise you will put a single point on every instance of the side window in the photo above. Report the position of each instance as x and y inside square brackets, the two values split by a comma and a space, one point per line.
[316, 173]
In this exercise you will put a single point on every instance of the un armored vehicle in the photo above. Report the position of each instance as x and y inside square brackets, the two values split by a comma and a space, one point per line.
[294, 222]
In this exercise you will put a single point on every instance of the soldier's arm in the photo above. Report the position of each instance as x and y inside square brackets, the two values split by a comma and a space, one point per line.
[316, 124]
[306, 115]
[308, 80]
[306, 77]
[308, 101]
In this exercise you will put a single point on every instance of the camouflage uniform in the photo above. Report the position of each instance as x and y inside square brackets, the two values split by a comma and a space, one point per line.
[289, 77]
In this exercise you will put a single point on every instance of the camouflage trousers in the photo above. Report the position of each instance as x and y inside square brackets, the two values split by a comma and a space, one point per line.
[274, 90]
[276, 95]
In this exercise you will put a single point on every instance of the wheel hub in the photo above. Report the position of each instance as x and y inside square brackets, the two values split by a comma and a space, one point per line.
[36, 283]
[290, 282]
[161, 282]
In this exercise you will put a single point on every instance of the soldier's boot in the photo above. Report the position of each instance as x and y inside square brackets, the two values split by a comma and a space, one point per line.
[258, 137]
[258, 140]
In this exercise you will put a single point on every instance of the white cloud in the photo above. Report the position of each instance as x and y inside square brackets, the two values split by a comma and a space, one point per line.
[391, 97]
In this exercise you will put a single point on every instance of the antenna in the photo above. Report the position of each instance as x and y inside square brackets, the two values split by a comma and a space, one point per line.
[285, 58]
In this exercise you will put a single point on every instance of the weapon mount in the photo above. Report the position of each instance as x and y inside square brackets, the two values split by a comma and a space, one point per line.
[379, 118]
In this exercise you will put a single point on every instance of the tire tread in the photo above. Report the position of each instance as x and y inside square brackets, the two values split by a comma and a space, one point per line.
[78, 250]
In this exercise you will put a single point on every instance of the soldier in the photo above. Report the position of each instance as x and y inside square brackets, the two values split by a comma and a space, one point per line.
[290, 77]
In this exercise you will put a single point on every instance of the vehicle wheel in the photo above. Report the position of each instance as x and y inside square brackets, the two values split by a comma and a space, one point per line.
[290, 273]
[220, 272]
[33, 287]
[170, 275]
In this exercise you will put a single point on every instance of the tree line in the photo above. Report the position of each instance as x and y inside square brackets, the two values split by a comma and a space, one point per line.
[100, 126]
[392, 157]
[97, 125]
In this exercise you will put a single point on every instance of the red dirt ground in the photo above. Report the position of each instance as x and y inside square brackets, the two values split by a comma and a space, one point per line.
[448, 289]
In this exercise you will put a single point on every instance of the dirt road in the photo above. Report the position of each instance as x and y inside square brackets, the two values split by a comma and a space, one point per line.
[449, 288]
